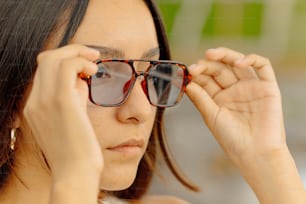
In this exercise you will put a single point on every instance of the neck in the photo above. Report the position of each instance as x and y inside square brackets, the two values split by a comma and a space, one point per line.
[30, 182]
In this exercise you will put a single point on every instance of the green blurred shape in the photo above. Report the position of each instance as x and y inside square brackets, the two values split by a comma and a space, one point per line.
[297, 31]
[252, 19]
[169, 11]
[300, 8]
[209, 26]
[224, 19]
[234, 19]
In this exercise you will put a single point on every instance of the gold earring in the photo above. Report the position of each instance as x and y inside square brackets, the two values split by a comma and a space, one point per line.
[13, 139]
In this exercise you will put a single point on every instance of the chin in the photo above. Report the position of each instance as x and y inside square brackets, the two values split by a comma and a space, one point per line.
[118, 177]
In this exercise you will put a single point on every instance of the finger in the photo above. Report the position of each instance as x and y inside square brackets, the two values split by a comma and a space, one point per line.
[49, 61]
[203, 102]
[70, 51]
[69, 71]
[219, 71]
[224, 55]
[228, 56]
[208, 83]
[262, 66]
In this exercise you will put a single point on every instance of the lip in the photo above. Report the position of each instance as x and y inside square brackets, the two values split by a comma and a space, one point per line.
[131, 146]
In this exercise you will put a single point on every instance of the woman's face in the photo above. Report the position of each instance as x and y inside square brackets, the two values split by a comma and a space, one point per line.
[124, 29]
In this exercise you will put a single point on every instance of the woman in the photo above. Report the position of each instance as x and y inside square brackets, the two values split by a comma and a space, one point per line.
[58, 146]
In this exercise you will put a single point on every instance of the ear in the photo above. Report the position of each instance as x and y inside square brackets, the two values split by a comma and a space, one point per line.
[16, 122]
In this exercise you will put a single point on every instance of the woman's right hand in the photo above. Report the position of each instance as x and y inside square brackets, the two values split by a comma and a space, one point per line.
[56, 113]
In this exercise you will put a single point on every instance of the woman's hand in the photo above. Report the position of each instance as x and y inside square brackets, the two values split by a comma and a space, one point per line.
[239, 99]
[56, 113]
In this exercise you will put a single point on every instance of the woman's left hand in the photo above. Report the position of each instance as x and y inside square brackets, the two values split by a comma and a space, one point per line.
[239, 99]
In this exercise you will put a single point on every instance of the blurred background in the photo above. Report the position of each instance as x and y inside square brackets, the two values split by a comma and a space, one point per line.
[275, 29]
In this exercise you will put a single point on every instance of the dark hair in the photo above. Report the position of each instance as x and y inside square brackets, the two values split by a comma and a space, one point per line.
[25, 28]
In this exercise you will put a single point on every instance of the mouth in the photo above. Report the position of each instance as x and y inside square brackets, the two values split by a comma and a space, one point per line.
[129, 147]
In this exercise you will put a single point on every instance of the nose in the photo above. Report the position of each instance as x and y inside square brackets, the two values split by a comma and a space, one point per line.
[137, 108]
[139, 76]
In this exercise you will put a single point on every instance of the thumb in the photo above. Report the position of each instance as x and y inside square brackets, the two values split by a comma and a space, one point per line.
[202, 101]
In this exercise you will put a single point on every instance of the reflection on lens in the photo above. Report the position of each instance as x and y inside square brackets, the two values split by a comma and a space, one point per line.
[110, 85]
[165, 83]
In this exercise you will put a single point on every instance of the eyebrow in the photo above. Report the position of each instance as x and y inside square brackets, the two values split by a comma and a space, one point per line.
[117, 53]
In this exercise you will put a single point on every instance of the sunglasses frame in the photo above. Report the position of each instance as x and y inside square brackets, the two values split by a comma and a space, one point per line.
[186, 79]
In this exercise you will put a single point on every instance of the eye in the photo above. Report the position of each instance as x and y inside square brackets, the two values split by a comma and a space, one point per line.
[102, 72]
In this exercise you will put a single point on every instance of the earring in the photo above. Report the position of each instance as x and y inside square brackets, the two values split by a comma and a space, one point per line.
[13, 139]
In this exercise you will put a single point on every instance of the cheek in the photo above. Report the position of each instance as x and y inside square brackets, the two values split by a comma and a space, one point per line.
[148, 127]
[105, 124]
[94, 114]
[100, 117]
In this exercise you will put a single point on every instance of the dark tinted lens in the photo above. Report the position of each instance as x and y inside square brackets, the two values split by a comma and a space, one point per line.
[165, 83]
[110, 85]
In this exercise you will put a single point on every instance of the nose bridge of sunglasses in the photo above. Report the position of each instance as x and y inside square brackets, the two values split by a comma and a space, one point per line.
[141, 66]
[140, 80]
[140, 69]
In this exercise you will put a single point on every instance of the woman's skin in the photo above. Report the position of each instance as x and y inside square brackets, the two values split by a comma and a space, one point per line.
[80, 139]
[239, 100]
[237, 96]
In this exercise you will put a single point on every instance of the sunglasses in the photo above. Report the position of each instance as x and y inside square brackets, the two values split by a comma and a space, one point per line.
[163, 82]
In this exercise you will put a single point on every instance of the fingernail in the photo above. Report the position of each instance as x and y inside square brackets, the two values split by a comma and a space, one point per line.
[210, 53]
[93, 50]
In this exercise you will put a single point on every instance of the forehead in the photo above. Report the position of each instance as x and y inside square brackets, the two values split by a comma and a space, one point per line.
[126, 25]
